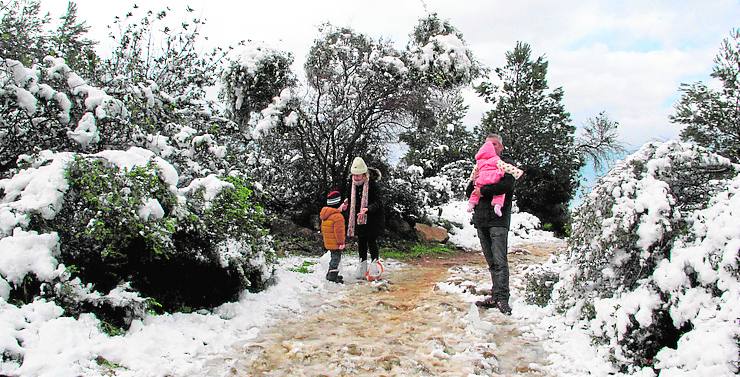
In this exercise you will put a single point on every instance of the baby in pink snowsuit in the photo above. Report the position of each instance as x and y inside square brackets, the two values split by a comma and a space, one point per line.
[490, 169]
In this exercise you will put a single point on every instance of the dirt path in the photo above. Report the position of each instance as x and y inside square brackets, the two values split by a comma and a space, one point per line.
[408, 325]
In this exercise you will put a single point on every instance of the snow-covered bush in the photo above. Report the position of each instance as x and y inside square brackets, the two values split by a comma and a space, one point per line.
[652, 263]
[410, 194]
[112, 234]
[48, 106]
[458, 174]
[540, 281]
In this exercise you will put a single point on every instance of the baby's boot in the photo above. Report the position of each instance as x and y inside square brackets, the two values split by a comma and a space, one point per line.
[497, 209]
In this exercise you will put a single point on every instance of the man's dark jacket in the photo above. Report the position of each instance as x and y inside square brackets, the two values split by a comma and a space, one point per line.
[483, 215]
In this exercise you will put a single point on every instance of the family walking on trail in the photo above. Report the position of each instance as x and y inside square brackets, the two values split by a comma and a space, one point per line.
[490, 190]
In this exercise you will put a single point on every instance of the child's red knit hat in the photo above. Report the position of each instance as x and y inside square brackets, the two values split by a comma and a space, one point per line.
[333, 198]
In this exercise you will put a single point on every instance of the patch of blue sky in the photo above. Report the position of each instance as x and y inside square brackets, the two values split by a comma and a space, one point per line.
[616, 42]
[590, 175]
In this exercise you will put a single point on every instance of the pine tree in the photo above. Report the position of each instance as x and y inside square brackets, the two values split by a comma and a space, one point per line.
[712, 117]
[435, 135]
[69, 42]
[438, 136]
[22, 35]
[537, 133]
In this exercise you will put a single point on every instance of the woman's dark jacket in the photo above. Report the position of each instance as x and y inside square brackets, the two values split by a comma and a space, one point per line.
[375, 213]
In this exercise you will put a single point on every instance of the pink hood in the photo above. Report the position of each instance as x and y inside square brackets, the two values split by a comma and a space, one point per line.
[486, 152]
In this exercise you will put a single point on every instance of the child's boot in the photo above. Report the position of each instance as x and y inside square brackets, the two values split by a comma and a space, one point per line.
[497, 209]
[333, 276]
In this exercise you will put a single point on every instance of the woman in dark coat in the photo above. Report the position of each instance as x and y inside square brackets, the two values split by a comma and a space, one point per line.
[366, 217]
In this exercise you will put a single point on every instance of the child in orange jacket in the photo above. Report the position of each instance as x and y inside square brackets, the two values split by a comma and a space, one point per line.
[332, 229]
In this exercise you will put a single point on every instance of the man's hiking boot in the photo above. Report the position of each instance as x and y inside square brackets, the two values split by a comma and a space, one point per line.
[488, 302]
[503, 307]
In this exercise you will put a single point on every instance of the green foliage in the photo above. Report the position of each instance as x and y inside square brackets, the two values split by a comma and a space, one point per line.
[163, 257]
[234, 213]
[109, 200]
[111, 329]
[712, 117]
[540, 282]
[303, 268]
[69, 43]
[22, 34]
[537, 134]
[416, 251]
[103, 362]
[25, 36]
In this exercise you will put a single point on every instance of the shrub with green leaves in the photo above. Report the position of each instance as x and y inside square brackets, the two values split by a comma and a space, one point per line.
[131, 230]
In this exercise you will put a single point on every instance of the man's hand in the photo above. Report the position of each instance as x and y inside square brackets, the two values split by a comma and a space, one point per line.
[363, 211]
[342, 246]
[343, 207]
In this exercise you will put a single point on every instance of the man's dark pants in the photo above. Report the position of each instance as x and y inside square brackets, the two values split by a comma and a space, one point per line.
[494, 242]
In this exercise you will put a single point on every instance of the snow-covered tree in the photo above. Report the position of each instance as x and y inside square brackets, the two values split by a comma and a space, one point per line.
[712, 117]
[438, 52]
[356, 94]
[652, 263]
[254, 76]
[22, 31]
[360, 93]
[537, 133]
[437, 136]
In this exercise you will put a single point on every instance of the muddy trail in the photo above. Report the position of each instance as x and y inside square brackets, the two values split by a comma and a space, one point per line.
[418, 321]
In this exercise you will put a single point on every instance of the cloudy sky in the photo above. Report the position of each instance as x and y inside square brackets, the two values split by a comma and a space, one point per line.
[625, 57]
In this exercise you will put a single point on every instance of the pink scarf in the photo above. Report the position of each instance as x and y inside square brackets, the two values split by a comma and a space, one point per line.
[361, 219]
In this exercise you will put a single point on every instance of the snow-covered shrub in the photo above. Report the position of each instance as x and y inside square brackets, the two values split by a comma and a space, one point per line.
[652, 263]
[232, 224]
[540, 281]
[458, 174]
[112, 234]
[48, 106]
[410, 194]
